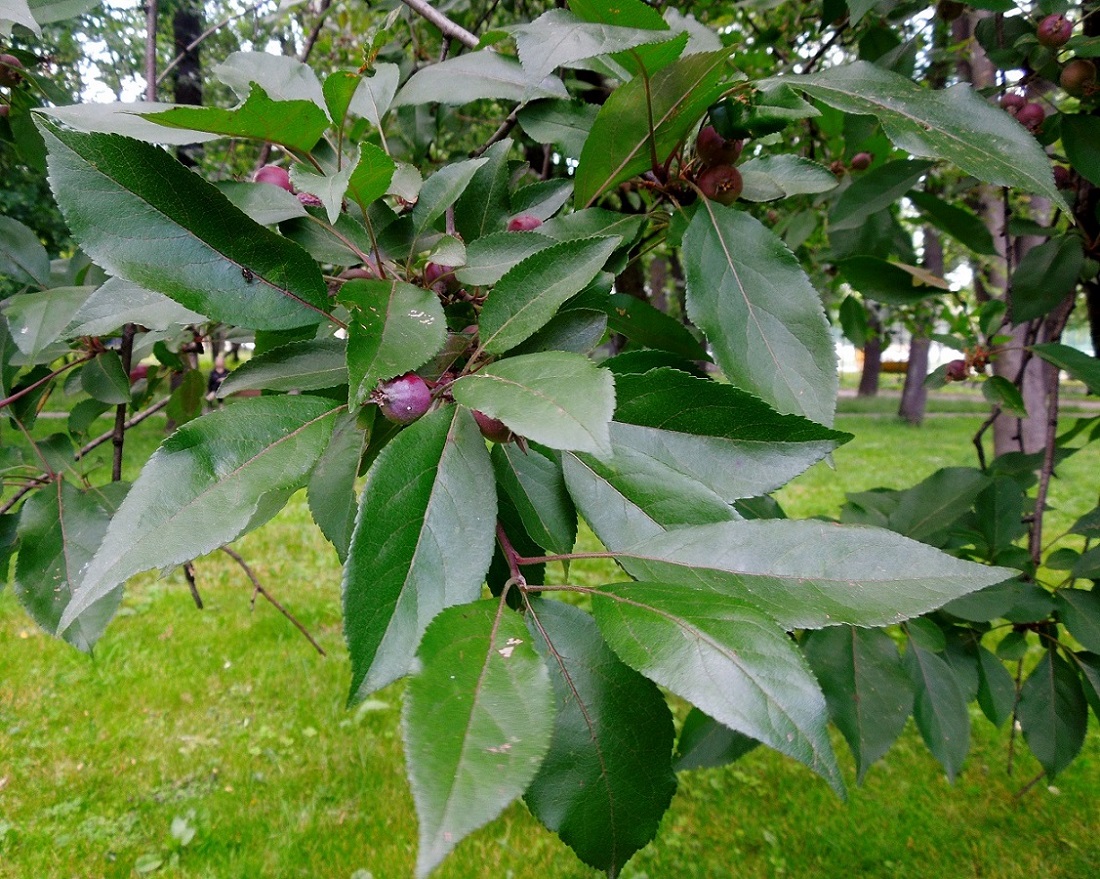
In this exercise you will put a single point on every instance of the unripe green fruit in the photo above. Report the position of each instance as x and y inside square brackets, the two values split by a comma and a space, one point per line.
[1078, 77]
[524, 223]
[1054, 31]
[404, 399]
[722, 184]
[11, 71]
[861, 161]
[274, 175]
[493, 429]
[713, 149]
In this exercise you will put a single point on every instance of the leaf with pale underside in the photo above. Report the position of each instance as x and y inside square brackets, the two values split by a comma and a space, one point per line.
[764, 320]
[607, 779]
[477, 721]
[207, 483]
[297, 366]
[474, 76]
[556, 398]
[173, 232]
[423, 541]
[726, 658]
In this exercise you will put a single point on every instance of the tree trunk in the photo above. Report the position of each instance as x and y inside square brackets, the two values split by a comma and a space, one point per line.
[914, 396]
[872, 367]
[187, 75]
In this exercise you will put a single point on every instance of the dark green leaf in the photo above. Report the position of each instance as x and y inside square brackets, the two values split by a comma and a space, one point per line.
[1053, 713]
[999, 510]
[331, 490]
[781, 176]
[477, 722]
[488, 259]
[294, 124]
[764, 321]
[1045, 276]
[1089, 665]
[532, 291]
[853, 320]
[117, 302]
[104, 379]
[9, 543]
[1080, 139]
[808, 574]
[484, 205]
[885, 281]
[172, 232]
[22, 256]
[875, 191]
[621, 143]
[577, 330]
[959, 223]
[372, 175]
[999, 391]
[209, 482]
[534, 482]
[646, 326]
[996, 689]
[559, 399]
[423, 540]
[705, 743]
[940, 708]
[563, 123]
[185, 403]
[1078, 364]
[395, 328]
[298, 366]
[955, 124]
[1088, 525]
[60, 529]
[607, 779]
[1079, 611]
[867, 690]
[725, 657]
[932, 506]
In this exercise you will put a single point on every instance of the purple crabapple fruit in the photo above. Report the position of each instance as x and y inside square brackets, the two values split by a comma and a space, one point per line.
[722, 184]
[713, 149]
[403, 399]
[524, 223]
[274, 175]
[493, 429]
[1054, 31]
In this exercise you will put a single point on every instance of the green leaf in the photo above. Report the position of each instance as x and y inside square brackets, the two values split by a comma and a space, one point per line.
[543, 198]
[309, 365]
[9, 543]
[1080, 136]
[185, 403]
[558, 38]
[650, 328]
[262, 202]
[959, 223]
[926, 510]
[488, 259]
[477, 721]
[473, 77]
[375, 93]
[764, 321]
[607, 778]
[17, 12]
[1079, 611]
[999, 510]
[177, 234]
[532, 291]
[637, 14]
[441, 190]
[534, 482]
[996, 689]
[331, 489]
[875, 191]
[724, 438]
[809, 574]
[705, 743]
[621, 144]
[59, 530]
[955, 124]
[940, 708]
[22, 256]
[38, 320]
[725, 657]
[884, 281]
[1089, 664]
[578, 330]
[423, 540]
[853, 320]
[283, 77]
[484, 205]
[294, 124]
[123, 118]
[1053, 713]
[556, 398]
[770, 177]
[104, 379]
[999, 391]
[868, 692]
[1088, 525]
[339, 89]
[563, 123]
[1081, 366]
[395, 328]
[205, 486]
[1045, 276]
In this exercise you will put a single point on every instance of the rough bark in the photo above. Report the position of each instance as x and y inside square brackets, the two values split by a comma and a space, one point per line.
[872, 366]
[914, 395]
[187, 75]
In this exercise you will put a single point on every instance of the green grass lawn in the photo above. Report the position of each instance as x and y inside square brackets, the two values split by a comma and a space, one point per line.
[217, 743]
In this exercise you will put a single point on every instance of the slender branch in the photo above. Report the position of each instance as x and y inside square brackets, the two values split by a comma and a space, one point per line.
[189, 573]
[523, 561]
[502, 132]
[258, 589]
[1022, 791]
[151, 81]
[126, 352]
[446, 26]
[311, 40]
[7, 401]
[1035, 540]
[510, 555]
[206, 34]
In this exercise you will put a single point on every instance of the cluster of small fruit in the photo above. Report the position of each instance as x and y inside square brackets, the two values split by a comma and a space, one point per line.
[406, 398]
[11, 74]
[716, 177]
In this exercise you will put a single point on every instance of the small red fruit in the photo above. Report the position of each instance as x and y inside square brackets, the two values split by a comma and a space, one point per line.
[1031, 116]
[713, 149]
[309, 200]
[1078, 77]
[722, 184]
[11, 71]
[274, 175]
[404, 399]
[957, 371]
[524, 223]
[1012, 102]
[1054, 31]
[861, 161]
[493, 429]
[1062, 178]
[4, 111]
[366, 272]
[439, 278]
